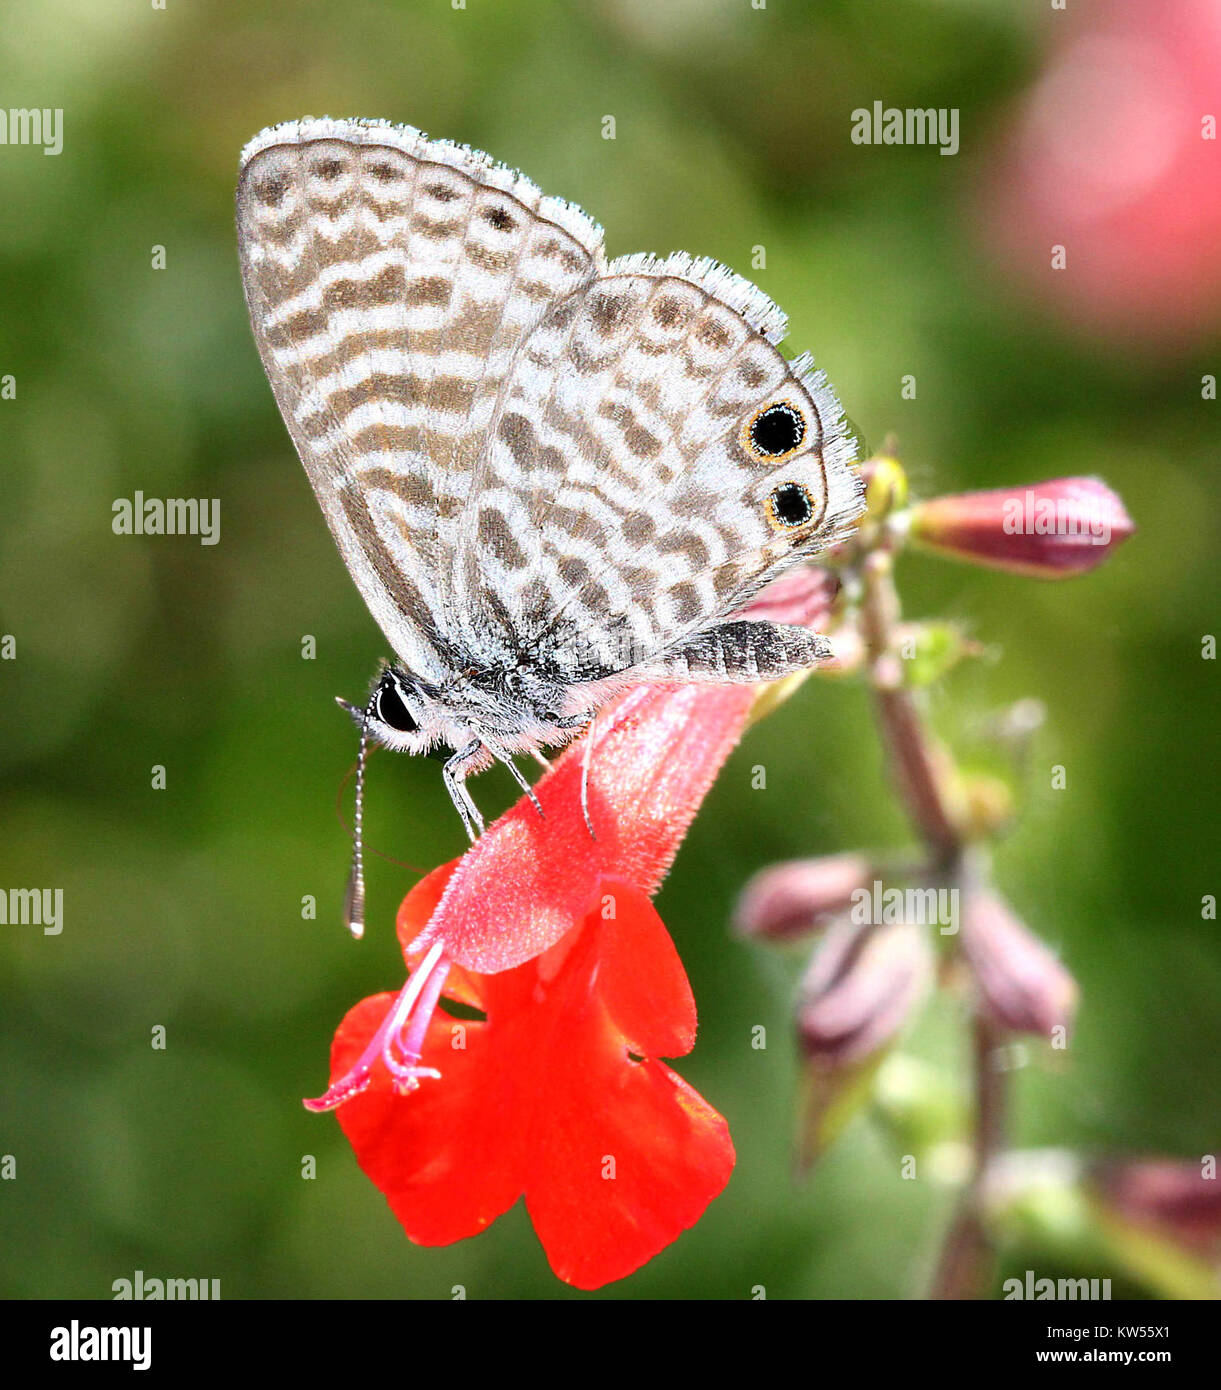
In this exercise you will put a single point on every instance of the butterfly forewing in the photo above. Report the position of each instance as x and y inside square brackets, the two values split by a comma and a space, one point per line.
[390, 281]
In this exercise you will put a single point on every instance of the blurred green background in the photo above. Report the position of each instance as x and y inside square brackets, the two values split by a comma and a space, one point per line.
[182, 906]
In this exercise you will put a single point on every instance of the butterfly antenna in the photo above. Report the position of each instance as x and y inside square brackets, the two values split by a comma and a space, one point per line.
[354, 898]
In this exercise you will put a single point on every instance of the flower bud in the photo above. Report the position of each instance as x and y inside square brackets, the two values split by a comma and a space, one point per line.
[859, 990]
[1049, 530]
[1175, 1198]
[790, 900]
[1021, 984]
[987, 805]
[885, 487]
[930, 651]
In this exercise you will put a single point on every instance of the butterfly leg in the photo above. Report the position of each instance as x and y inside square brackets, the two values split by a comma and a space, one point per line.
[589, 751]
[519, 778]
[472, 821]
[586, 722]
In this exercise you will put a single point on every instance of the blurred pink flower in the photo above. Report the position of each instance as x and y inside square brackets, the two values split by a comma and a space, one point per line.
[1172, 1197]
[1108, 157]
[861, 986]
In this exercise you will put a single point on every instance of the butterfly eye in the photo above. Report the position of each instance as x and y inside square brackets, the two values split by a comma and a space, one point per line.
[789, 506]
[775, 432]
[391, 710]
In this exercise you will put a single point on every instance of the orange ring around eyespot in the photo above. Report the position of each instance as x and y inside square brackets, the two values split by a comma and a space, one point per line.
[746, 438]
[776, 521]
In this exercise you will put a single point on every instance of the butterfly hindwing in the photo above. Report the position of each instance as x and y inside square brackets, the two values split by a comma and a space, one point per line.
[630, 499]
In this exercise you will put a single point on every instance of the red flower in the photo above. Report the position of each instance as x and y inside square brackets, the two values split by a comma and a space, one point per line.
[557, 1092]
[556, 1095]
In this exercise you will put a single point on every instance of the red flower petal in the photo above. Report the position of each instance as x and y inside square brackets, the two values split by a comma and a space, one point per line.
[446, 1157]
[413, 914]
[616, 1156]
[526, 881]
[612, 1184]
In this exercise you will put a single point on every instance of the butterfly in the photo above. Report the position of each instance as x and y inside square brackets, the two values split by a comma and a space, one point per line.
[549, 474]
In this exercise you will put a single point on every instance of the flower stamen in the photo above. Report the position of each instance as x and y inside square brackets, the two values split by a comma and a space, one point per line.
[401, 1032]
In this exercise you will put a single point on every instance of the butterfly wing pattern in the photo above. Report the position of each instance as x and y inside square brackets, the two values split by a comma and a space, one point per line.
[547, 473]
[623, 509]
[390, 279]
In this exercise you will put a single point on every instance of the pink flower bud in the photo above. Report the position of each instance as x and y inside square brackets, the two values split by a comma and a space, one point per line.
[859, 990]
[1175, 1198]
[1022, 986]
[790, 900]
[885, 486]
[1048, 530]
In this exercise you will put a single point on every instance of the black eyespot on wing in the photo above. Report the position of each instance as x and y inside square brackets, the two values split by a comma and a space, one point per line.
[391, 710]
[789, 506]
[776, 431]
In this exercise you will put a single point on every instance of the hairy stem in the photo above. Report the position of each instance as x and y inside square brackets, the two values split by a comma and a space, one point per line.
[923, 773]
[918, 763]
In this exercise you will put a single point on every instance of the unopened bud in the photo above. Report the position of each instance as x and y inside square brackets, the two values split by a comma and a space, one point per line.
[987, 803]
[1022, 986]
[790, 900]
[930, 651]
[885, 487]
[859, 990]
[1179, 1200]
[1049, 530]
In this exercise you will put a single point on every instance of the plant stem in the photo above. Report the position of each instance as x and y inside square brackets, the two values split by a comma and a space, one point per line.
[917, 763]
[923, 773]
[991, 1095]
